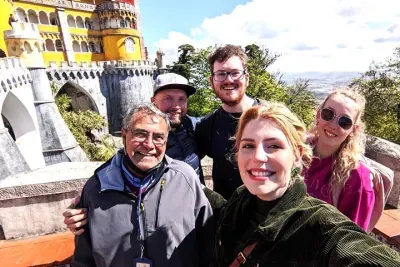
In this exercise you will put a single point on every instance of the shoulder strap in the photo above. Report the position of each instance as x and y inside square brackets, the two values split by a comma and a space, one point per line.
[241, 257]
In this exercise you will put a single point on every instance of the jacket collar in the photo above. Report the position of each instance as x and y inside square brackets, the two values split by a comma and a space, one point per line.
[277, 216]
[109, 174]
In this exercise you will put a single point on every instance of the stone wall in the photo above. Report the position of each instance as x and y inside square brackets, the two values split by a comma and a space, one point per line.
[31, 203]
[387, 154]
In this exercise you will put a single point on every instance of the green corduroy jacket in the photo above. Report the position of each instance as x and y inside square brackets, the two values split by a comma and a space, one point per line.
[298, 231]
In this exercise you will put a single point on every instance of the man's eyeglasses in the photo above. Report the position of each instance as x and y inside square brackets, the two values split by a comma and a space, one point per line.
[220, 76]
[140, 136]
[344, 122]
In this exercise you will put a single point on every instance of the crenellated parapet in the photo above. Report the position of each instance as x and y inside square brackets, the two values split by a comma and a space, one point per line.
[83, 70]
[23, 30]
[13, 74]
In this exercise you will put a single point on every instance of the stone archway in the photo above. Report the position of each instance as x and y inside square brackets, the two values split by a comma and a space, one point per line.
[8, 125]
[81, 99]
[22, 129]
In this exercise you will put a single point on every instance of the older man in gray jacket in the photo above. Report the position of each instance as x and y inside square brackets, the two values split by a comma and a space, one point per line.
[135, 208]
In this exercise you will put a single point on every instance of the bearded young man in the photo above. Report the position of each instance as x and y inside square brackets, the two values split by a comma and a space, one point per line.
[229, 80]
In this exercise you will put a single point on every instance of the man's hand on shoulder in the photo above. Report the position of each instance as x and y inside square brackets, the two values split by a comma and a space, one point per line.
[75, 218]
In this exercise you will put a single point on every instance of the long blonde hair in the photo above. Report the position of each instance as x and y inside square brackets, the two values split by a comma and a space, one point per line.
[293, 128]
[347, 156]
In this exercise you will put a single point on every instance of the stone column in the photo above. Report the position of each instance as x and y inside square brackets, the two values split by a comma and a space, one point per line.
[66, 34]
[125, 92]
[58, 143]
[11, 159]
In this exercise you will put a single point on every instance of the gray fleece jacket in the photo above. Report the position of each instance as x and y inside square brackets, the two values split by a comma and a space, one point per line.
[180, 231]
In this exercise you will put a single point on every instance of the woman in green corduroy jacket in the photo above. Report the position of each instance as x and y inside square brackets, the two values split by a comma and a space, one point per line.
[270, 220]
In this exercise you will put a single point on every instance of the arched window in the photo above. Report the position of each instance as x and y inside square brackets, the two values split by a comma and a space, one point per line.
[27, 47]
[53, 19]
[79, 22]
[76, 46]
[50, 45]
[33, 18]
[88, 24]
[122, 22]
[92, 47]
[133, 24]
[129, 45]
[128, 22]
[59, 46]
[71, 21]
[84, 47]
[21, 15]
[37, 46]
[101, 24]
[100, 48]
[107, 23]
[43, 18]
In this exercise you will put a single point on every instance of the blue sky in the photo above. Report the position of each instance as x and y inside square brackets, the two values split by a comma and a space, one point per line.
[310, 35]
[161, 17]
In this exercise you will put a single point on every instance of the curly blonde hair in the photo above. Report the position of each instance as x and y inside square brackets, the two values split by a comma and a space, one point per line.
[347, 156]
[293, 128]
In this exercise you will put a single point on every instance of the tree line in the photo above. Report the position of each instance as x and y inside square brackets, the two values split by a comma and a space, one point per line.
[380, 85]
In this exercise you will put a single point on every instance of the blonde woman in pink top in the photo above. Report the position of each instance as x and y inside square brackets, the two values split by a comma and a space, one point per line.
[336, 175]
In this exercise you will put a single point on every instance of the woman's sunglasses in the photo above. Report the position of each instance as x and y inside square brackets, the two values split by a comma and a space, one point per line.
[344, 122]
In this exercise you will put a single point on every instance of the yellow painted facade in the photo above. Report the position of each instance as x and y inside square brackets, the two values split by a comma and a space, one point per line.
[79, 32]
[5, 9]
[115, 45]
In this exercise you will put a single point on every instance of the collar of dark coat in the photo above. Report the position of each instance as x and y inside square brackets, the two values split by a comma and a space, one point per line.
[109, 174]
[276, 219]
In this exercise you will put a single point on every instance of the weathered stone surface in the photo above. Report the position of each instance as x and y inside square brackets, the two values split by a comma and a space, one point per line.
[387, 154]
[11, 159]
[381, 146]
[55, 135]
[31, 203]
[394, 197]
[31, 216]
[124, 93]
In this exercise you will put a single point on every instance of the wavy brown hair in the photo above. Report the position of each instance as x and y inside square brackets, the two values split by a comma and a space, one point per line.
[347, 156]
[222, 53]
[293, 128]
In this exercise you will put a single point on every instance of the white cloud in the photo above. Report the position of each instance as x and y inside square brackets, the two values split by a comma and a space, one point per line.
[311, 35]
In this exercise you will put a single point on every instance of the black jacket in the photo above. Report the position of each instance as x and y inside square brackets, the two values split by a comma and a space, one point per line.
[298, 231]
[182, 146]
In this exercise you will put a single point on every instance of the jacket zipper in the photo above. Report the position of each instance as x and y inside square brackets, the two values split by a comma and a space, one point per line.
[158, 201]
[142, 223]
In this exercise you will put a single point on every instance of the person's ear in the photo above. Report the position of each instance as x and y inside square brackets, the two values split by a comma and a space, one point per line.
[212, 82]
[317, 116]
[123, 136]
[299, 154]
[152, 99]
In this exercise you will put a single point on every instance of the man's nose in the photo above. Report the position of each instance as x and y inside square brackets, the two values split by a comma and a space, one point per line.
[229, 78]
[148, 142]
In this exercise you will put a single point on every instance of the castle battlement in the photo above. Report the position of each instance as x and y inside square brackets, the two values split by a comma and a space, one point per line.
[102, 64]
[13, 73]
[23, 30]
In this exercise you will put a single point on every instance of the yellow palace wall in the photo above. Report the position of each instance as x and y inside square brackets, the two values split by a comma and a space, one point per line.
[5, 11]
[113, 39]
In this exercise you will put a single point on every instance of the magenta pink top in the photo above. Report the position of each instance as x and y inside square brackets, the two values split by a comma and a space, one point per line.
[357, 198]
